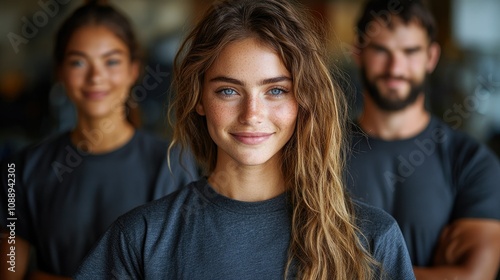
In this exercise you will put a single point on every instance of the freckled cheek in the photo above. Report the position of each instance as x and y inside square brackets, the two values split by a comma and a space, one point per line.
[285, 114]
[218, 115]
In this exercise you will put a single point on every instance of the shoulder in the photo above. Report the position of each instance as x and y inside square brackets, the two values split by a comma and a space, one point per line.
[384, 240]
[461, 148]
[149, 148]
[154, 144]
[474, 171]
[43, 153]
[373, 222]
[147, 140]
[443, 133]
[49, 144]
[464, 145]
[158, 223]
[166, 211]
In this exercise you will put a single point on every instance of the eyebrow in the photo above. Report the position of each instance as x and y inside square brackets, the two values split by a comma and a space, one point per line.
[240, 83]
[407, 49]
[413, 49]
[376, 46]
[109, 53]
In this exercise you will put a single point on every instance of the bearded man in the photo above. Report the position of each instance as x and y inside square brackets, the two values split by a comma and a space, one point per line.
[441, 186]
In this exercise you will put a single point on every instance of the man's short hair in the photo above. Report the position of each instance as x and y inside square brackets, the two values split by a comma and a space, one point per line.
[387, 10]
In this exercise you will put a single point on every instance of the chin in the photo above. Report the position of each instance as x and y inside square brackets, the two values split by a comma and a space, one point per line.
[249, 160]
[98, 114]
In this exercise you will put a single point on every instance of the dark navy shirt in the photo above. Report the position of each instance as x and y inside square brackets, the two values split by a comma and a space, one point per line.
[197, 233]
[425, 182]
[66, 198]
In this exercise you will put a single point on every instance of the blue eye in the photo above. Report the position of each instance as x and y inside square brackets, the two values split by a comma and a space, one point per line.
[276, 91]
[227, 91]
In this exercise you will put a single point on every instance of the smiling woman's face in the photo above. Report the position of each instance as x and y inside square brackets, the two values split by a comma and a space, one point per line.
[249, 104]
[97, 71]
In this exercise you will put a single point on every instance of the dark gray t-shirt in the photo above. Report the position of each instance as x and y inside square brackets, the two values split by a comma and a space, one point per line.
[196, 233]
[66, 199]
[425, 182]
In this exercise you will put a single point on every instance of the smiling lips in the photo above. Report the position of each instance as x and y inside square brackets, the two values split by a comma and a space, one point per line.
[95, 95]
[251, 138]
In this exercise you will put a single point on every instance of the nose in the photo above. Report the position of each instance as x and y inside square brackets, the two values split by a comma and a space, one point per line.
[397, 65]
[252, 110]
[96, 74]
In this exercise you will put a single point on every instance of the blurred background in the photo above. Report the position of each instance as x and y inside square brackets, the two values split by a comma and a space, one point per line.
[464, 90]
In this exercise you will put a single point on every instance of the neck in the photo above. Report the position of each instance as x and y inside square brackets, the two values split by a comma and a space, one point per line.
[101, 135]
[248, 183]
[395, 125]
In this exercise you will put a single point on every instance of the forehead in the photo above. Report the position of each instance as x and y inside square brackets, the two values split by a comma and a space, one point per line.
[248, 58]
[397, 34]
[95, 39]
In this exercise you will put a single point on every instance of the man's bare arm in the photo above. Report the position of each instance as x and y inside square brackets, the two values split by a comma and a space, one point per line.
[467, 249]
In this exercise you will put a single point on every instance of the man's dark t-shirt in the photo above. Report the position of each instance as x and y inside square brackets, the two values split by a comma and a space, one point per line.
[425, 182]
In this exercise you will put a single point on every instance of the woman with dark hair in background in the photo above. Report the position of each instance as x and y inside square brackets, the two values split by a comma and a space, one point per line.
[69, 189]
[256, 104]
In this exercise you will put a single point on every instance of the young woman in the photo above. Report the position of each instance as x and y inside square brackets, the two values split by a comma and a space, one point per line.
[68, 190]
[256, 104]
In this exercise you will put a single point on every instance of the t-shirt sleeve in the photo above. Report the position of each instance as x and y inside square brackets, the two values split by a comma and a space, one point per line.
[477, 173]
[384, 240]
[114, 257]
[391, 252]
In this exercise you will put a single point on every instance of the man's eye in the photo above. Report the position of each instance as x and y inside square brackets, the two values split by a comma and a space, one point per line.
[412, 51]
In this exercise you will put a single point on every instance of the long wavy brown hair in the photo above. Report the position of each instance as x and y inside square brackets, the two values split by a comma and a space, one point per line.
[325, 241]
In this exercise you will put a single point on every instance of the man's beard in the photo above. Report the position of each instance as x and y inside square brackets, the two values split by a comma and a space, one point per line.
[391, 105]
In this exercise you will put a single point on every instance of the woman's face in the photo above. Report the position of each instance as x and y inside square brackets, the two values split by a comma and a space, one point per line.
[249, 104]
[97, 72]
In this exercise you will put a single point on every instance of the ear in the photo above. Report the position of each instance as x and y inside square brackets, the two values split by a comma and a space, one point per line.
[434, 54]
[200, 109]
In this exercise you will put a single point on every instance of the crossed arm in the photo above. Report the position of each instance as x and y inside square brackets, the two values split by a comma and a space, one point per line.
[467, 249]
